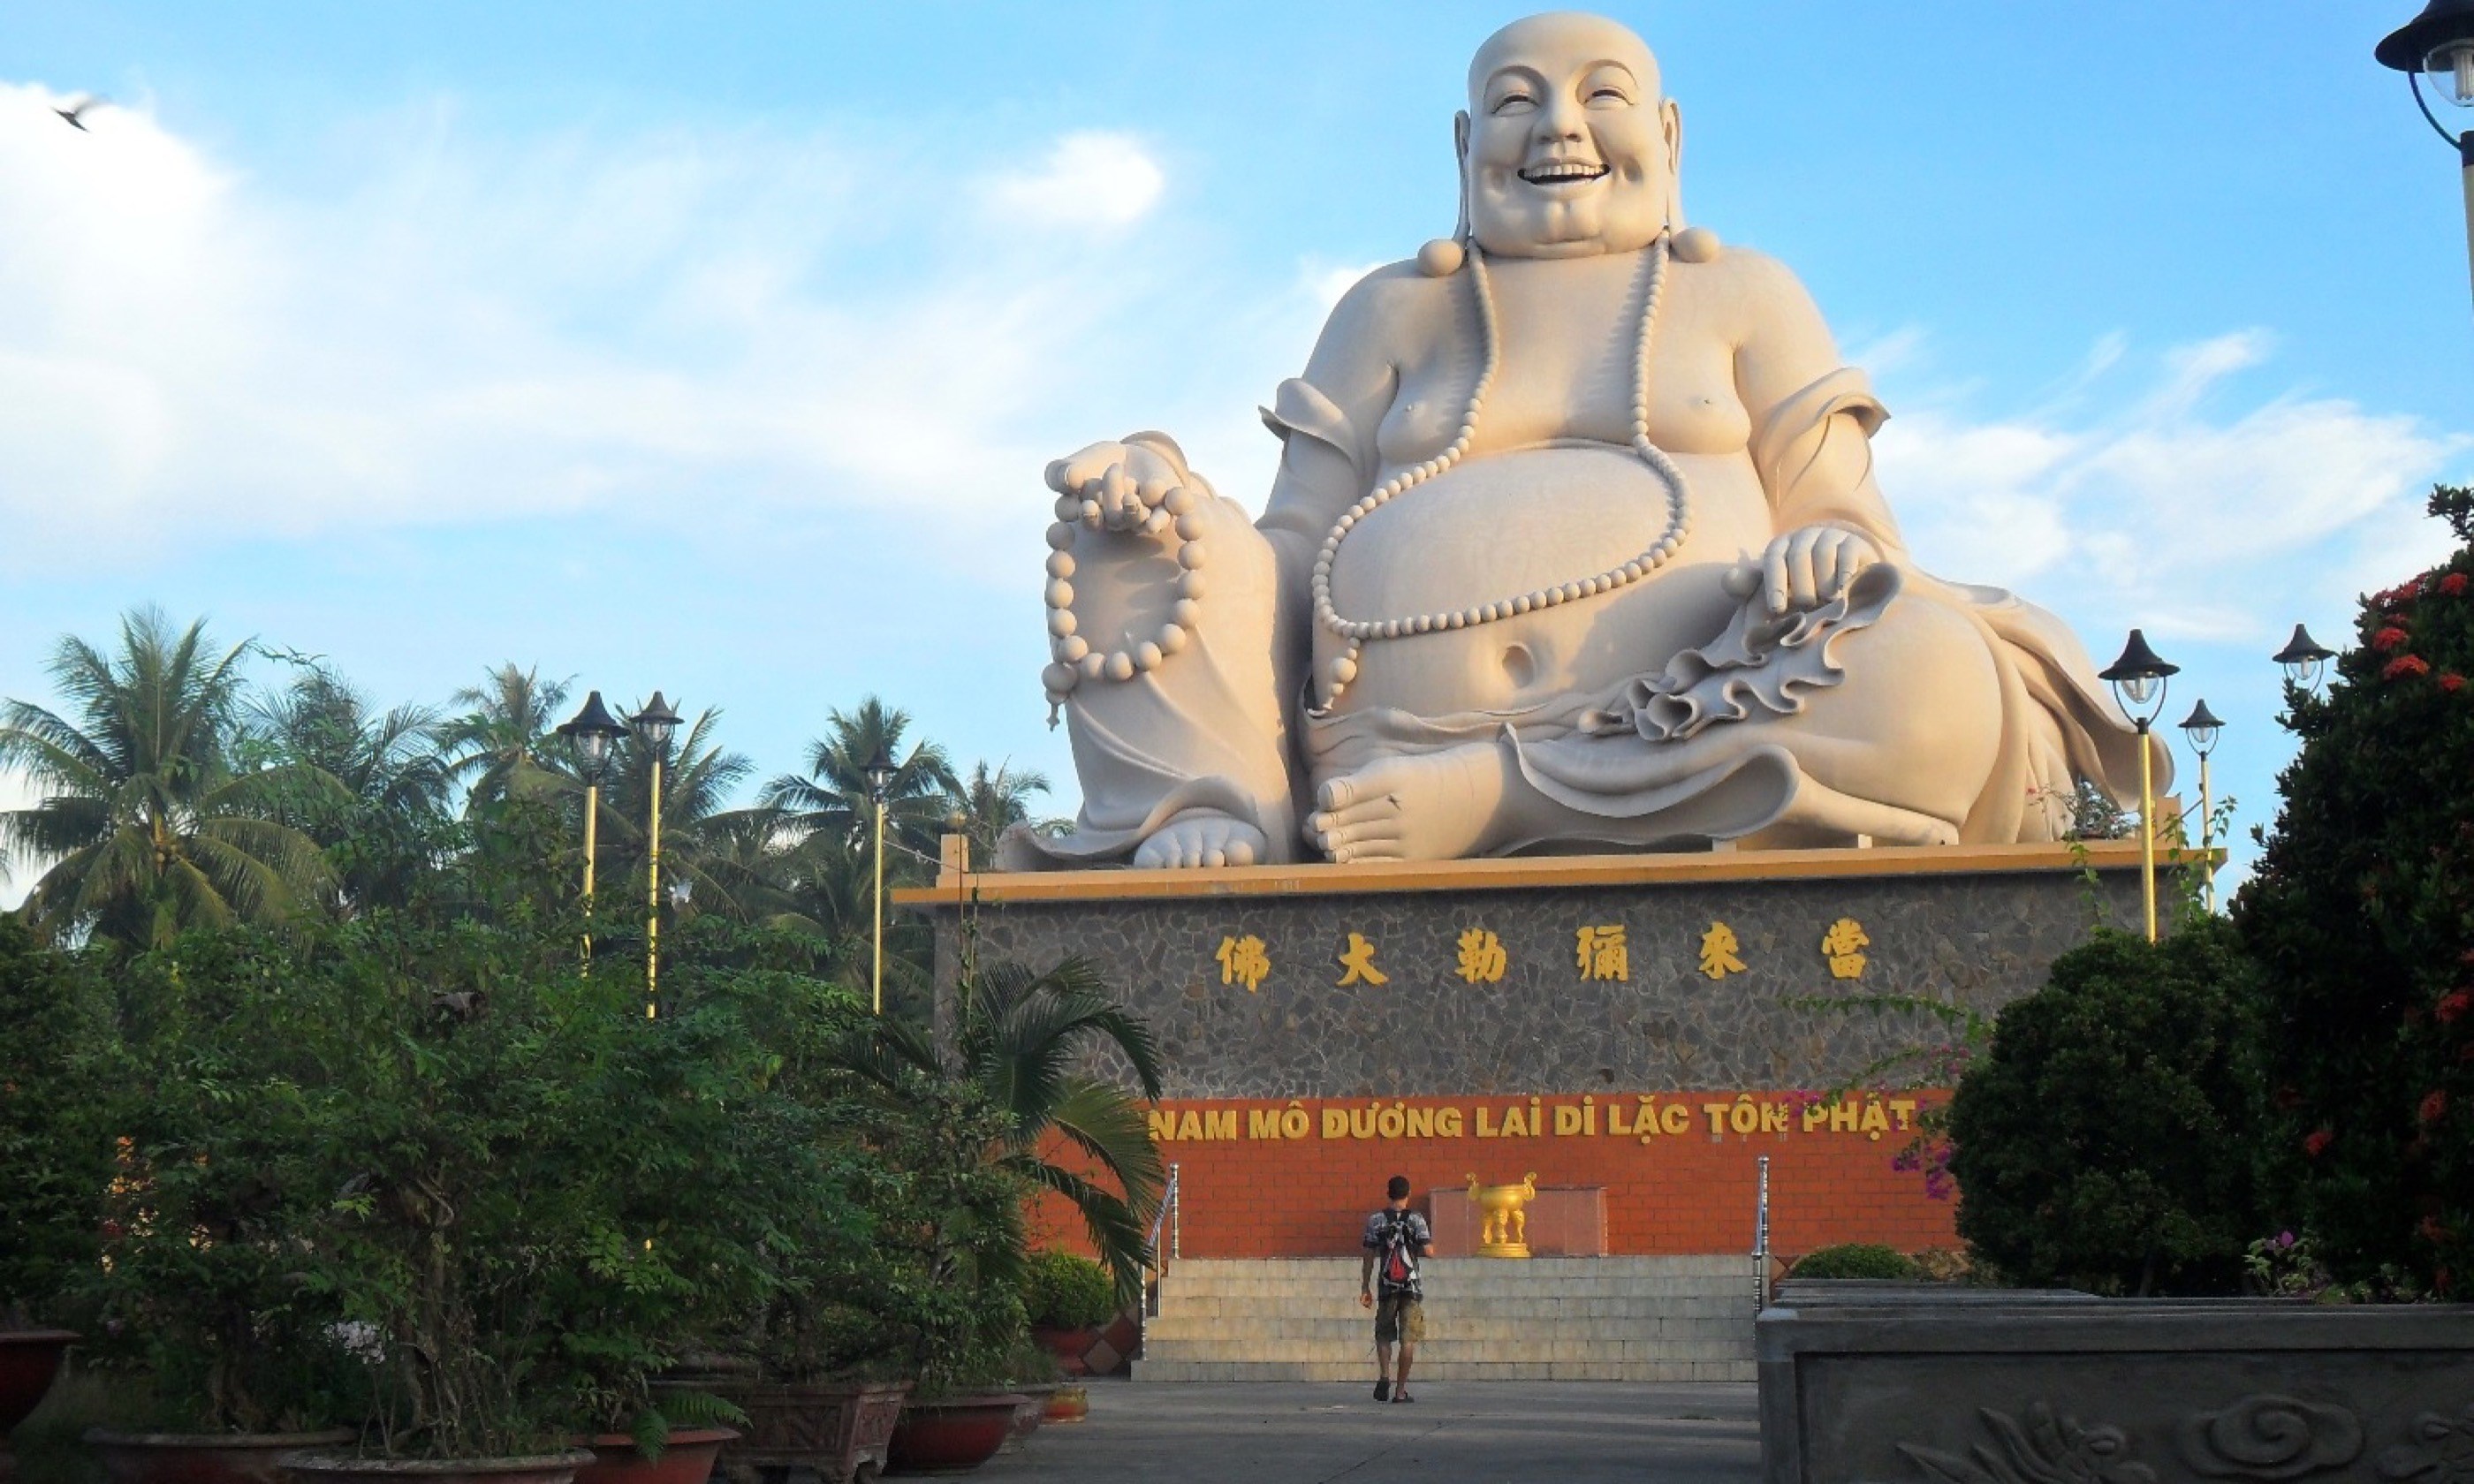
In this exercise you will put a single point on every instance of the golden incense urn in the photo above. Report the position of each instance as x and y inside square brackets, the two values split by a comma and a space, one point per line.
[1503, 1229]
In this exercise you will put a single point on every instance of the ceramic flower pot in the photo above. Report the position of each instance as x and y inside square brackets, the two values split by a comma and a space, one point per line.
[1068, 1346]
[204, 1457]
[688, 1459]
[951, 1434]
[344, 1469]
[1028, 1417]
[29, 1360]
[835, 1429]
[1069, 1404]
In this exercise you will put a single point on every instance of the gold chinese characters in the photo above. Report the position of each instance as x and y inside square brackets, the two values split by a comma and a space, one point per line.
[1601, 953]
[1243, 961]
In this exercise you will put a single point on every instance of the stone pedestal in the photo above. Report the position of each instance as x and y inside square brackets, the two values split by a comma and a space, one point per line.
[1651, 1026]
[1567, 974]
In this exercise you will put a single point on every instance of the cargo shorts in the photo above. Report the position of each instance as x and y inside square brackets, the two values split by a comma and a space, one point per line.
[1399, 1319]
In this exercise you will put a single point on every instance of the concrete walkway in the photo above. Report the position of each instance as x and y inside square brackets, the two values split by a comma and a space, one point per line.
[1457, 1432]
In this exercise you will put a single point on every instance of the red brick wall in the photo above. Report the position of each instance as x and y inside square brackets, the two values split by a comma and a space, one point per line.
[1684, 1188]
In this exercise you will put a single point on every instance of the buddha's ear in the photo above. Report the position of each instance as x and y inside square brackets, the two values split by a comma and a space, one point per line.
[1670, 119]
[1460, 153]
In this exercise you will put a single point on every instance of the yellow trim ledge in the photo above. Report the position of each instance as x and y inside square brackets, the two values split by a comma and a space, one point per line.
[1535, 871]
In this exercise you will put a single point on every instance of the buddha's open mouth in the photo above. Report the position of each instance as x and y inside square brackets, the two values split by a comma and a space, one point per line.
[1564, 172]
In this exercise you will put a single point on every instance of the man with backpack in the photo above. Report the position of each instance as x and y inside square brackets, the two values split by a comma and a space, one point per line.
[1395, 1238]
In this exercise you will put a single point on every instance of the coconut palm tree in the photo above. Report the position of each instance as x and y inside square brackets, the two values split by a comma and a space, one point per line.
[502, 745]
[700, 837]
[146, 827]
[834, 796]
[1022, 1040]
[381, 826]
[992, 801]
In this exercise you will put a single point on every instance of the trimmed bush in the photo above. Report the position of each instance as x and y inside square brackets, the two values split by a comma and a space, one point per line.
[1856, 1259]
[1061, 1291]
[2104, 1142]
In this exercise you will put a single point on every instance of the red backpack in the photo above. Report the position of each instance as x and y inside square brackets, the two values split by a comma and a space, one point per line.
[1399, 1270]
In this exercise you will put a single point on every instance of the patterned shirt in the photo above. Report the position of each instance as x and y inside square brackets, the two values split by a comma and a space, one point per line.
[1413, 1237]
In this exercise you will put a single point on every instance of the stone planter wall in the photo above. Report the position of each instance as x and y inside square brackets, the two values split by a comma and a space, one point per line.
[1902, 1383]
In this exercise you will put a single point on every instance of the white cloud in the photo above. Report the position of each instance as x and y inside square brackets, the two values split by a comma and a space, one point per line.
[1094, 180]
[469, 331]
[2195, 522]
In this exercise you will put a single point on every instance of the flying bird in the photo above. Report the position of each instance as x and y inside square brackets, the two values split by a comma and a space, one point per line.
[69, 114]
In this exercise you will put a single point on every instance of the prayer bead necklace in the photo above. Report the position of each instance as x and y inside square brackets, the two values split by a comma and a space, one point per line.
[1358, 632]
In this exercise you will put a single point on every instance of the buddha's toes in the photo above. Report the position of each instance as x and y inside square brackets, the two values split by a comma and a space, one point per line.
[1201, 838]
[1431, 806]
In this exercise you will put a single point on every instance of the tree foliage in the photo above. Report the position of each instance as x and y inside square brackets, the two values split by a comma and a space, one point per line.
[2360, 916]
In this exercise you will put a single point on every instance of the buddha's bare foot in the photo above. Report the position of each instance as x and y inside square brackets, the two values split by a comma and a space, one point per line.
[1197, 838]
[1438, 806]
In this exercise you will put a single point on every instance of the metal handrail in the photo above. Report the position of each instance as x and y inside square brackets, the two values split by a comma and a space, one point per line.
[1166, 1217]
[1761, 1242]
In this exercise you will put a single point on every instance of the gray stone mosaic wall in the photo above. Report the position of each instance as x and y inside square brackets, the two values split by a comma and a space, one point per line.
[1977, 939]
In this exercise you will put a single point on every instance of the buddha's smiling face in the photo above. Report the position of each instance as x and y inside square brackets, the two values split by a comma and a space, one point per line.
[1571, 148]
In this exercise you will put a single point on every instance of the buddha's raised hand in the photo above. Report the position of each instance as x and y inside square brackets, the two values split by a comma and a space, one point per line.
[1805, 569]
[1123, 485]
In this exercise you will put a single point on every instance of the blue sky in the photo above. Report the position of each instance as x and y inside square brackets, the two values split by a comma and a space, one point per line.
[719, 348]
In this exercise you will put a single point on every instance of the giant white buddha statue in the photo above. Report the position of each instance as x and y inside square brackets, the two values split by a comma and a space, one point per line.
[1575, 545]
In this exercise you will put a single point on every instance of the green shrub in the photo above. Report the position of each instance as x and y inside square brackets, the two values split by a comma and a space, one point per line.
[2103, 1140]
[54, 1153]
[1855, 1260]
[2360, 916]
[1061, 1291]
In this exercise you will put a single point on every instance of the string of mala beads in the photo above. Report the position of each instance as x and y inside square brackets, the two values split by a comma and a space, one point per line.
[1360, 632]
[1076, 661]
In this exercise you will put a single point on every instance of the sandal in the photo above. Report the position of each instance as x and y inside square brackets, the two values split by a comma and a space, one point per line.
[1404, 1397]
[1383, 1389]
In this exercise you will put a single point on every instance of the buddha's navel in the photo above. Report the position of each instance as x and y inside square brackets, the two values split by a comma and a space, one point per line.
[1519, 666]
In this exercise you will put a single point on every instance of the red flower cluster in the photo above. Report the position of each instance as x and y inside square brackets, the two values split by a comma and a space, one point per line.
[2401, 594]
[2435, 1107]
[2451, 682]
[2388, 640]
[2316, 1141]
[2404, 666]
[2454, 585]
[2454, 1003]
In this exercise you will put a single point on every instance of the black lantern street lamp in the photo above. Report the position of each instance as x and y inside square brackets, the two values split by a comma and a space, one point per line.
[2138, 680]
[2440, 43]
[654, 726]
[590, 731]
[2305, 660]
[2204, 729]
[881, 771]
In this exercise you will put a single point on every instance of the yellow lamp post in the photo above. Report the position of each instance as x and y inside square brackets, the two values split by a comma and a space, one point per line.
[653, 726]
[880, 773]
[2440, 43]
[2203, 728]
[2138, 680]
[591, 732]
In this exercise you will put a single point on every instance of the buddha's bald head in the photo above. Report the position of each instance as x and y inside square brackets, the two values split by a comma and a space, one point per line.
[1572, 146]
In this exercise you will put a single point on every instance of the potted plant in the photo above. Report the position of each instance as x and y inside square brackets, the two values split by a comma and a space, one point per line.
[1068, 1298]
[54, 1157]
[812, 1356]
[472, 1161]
[225, 1356]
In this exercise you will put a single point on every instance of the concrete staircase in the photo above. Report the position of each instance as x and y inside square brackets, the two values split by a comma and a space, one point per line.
[1581, 1319]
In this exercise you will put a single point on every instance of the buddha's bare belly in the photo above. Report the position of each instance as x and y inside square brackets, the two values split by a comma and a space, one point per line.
[1504, 524]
